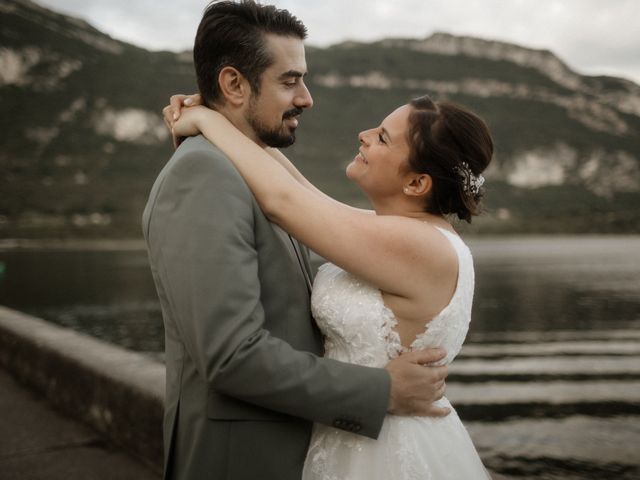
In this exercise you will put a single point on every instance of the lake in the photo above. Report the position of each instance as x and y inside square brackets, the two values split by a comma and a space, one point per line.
[548, 383]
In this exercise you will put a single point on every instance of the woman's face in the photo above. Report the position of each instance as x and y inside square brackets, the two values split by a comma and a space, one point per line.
[379, 168]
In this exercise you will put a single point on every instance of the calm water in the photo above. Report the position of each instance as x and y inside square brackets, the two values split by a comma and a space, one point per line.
[548, 383]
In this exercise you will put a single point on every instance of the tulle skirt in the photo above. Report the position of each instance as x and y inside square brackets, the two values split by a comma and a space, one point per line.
[408, 448]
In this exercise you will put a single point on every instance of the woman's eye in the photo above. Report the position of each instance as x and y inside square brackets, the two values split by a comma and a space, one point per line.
[381, 138]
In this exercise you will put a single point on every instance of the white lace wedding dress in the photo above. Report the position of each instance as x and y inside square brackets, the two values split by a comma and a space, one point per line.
[359, 329]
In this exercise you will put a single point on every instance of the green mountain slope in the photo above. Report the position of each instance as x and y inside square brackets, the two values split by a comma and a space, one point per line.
[83, 138]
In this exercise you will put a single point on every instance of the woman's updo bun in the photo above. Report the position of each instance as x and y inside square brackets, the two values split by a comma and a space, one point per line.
[453, 146]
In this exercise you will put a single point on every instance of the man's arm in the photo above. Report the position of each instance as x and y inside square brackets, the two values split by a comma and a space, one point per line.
[201, 235]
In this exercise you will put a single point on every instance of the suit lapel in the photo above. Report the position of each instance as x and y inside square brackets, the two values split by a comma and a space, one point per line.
[295, 252]
[303, 261]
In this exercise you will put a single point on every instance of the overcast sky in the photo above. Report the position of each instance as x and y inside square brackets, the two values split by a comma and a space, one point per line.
[592, 36]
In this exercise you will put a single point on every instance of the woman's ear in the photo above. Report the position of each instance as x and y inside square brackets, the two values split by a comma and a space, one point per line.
[419, 185]
[234, 86]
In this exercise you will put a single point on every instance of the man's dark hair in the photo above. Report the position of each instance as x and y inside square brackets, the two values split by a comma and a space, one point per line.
[233, 34]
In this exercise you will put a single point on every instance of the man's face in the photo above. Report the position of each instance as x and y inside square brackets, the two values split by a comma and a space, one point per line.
[273, 113]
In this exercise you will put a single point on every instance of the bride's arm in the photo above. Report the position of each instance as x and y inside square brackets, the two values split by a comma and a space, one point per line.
[178, 103]
[387, 251]
[282, 159]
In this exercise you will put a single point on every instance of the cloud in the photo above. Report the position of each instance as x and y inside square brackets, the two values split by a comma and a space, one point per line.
[592, 36]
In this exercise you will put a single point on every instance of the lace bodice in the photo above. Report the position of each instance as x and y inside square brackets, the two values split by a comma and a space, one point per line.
[360, 329]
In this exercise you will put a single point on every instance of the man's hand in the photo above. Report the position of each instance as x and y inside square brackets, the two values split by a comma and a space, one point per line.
[415, 385]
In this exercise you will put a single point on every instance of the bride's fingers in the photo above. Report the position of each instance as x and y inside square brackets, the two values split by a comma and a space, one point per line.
[167, 116]
[193, 100]
[176, 102]
[171, 112]
[175, 139]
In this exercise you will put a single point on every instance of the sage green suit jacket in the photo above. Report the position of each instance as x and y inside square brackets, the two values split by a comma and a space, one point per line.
[245, 377]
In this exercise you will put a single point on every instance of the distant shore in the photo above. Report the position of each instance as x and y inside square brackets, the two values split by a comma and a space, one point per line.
[129, 244]
[135, 244]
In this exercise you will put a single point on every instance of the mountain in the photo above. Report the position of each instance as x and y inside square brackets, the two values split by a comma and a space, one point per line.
[83, 138]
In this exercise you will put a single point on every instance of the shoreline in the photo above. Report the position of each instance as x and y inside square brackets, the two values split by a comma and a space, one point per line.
[138, 244]
[121, 244]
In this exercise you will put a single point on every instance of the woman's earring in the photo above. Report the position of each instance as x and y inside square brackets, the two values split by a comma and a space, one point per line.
[406, 190]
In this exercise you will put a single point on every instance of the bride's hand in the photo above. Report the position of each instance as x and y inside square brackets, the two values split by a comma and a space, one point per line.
[190, 122]
[172, 112]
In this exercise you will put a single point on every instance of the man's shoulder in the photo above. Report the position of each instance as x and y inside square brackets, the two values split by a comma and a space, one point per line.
[198, 144]
[199, 172]
[198, 164]
[197, 154]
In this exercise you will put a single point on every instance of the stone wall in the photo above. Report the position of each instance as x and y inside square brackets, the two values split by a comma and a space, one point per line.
[118, 392]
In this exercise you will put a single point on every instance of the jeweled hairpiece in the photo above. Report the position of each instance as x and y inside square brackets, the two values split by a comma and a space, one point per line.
[471, 182]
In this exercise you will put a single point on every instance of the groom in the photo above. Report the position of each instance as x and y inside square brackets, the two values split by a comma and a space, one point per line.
[245, 376]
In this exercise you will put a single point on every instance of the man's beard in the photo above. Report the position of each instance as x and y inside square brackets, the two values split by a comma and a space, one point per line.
[276, 137]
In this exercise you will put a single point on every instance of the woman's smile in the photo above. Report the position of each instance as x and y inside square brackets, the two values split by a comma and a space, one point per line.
[360, 156]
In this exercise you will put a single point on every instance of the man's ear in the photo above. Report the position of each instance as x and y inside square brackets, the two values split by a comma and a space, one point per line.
[234, 86]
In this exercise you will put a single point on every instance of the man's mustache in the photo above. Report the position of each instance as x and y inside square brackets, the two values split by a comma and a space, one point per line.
[292, 113]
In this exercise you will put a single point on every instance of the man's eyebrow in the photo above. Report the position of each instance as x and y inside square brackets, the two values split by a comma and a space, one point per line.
[292, 73]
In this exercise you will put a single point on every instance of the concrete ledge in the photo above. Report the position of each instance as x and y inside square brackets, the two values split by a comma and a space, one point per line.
[118, 392]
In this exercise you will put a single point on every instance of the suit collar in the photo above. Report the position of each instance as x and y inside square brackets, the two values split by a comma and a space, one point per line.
[293, 247]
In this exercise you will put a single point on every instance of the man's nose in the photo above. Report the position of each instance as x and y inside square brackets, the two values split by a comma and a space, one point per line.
[304, 99]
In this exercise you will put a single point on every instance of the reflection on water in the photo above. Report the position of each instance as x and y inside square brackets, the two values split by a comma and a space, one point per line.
[548, 383]
[108, 294]
[542, 284]
[531, 285]
[577, 447]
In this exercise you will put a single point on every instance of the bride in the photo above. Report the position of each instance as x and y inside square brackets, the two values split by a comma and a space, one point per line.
[400, 278]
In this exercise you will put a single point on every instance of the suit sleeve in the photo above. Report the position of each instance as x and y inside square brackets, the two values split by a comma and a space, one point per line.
[201, 234]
